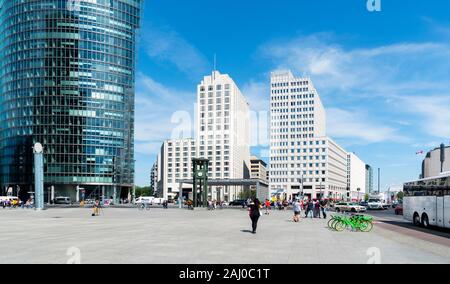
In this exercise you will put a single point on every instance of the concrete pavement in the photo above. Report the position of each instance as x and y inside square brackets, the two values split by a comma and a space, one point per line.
[200, 236]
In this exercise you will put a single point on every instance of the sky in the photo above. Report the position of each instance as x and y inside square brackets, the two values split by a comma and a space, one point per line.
[384, 77]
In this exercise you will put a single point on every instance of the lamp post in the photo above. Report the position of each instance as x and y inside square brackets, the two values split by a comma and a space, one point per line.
[38, 151]
[301, 190]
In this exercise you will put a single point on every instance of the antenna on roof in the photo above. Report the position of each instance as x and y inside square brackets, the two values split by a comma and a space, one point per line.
[215, 66]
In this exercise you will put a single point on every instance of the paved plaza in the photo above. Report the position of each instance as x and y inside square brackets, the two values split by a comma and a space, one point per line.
[192, 237]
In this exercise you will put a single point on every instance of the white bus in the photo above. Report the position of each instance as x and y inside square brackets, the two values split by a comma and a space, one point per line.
[427, 201]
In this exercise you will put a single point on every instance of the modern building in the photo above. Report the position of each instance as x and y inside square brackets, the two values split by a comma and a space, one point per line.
[67, 81]
[258, 170]
[175, 164]
[154, 177]
[223, 130]
[303, 160]
[369, 179]
[437, 161]
[356, 178]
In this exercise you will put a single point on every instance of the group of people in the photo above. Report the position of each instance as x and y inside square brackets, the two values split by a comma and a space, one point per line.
[213, 204]
[312, 208]
[16, 203]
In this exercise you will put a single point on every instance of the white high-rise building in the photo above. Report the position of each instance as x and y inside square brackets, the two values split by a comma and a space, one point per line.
[175, 164]
[223, 128]
[302, 158]
[356, 178]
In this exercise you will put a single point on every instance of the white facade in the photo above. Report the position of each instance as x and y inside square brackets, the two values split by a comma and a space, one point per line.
[175, 164]
[222, 136]
[223, 130]
[154, 176]
[302, 157]
[356, 178]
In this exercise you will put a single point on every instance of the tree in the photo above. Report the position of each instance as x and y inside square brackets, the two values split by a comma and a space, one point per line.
[400, 195]
[366, 197]
[143, 191]
[246, 194]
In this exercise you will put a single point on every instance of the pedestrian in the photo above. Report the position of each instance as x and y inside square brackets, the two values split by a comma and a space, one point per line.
[323, 207]
[285, 205]
[254, 213]
[297, 210]
[316, 209]
[190, 204]
[28, 204]
[310, 208]
[268, 207]
[96, 208]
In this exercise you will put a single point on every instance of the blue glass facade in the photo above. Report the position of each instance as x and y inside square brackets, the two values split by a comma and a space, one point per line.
[67, 81]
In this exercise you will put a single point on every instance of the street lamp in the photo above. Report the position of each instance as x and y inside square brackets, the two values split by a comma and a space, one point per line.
[359, 189]
[302, 190]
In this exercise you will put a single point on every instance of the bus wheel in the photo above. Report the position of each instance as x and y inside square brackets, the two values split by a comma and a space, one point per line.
[425, 221]
[416, 220]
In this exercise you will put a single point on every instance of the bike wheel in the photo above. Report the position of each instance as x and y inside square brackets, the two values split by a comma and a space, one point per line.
[147, 208]
[366, 227]
[339, 226]
[330, 223]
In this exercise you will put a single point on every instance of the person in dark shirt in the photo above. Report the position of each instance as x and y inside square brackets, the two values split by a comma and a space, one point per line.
[254, 213]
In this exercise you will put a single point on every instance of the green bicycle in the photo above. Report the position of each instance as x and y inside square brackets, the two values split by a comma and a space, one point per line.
[354, 223]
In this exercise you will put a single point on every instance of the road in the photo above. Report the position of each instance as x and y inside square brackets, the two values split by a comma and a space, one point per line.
[389, 221]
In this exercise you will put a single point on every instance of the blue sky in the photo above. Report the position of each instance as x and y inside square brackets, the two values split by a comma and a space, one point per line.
[383, 77]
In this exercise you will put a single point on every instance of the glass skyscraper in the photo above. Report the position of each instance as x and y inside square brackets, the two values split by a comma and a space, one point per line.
[67, 81]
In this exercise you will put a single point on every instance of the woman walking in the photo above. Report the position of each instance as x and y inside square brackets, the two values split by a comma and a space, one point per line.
[297, 210]
[254, 213]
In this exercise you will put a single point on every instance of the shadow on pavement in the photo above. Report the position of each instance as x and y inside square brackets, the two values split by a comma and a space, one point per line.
[440, 232]
[247, 231]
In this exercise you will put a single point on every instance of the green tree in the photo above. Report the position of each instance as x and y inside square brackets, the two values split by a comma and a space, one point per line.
[366, 197]
[143, 191]
[246, 194]
[400, 195]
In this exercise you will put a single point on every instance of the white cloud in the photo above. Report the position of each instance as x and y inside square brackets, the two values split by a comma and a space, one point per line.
[166, 45]
[257, 94]
[412, 77]
[359, 128]
[373, 70]
[156, 104]
[434, 111]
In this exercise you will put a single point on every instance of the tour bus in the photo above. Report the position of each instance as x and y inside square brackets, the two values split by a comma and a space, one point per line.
[427, 201]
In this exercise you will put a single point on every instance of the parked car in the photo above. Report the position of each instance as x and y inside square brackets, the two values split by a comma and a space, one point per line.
[395, 204]
[239, 202]
[399, 209]
[376, 204]
[63, 200]
[365, 204]
[349, 207]
[144, 200]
